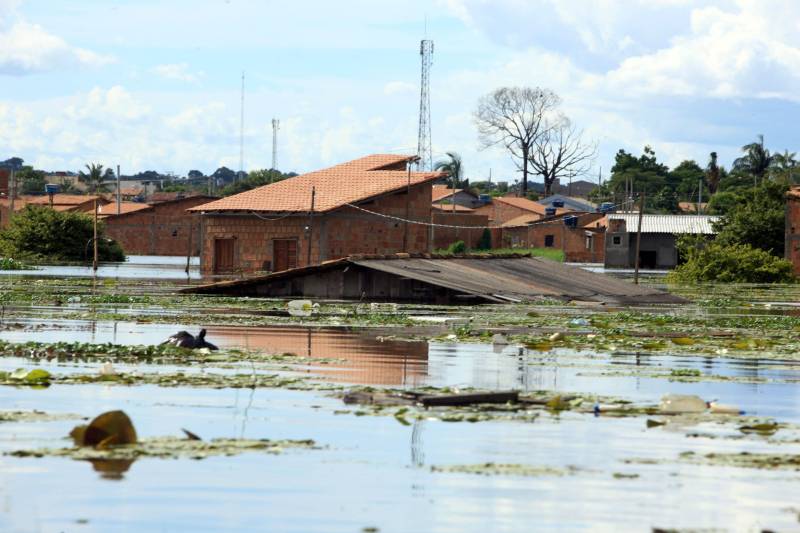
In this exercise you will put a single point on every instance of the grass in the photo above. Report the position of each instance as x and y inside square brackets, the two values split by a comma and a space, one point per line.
[553, 254]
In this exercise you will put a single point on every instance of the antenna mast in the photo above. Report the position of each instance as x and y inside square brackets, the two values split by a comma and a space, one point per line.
[241, 135]
[424, 151]
[276, 124]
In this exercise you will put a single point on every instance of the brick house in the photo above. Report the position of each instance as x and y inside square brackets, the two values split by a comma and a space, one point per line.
[158, 229]
[581, 242]
[273, 227]
[792, 240]
[464, 218]
[68, 202]
[502, 209]
[443, 195]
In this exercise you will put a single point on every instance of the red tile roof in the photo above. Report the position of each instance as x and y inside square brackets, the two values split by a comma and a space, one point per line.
[440, 192]
[522, 220]
[125, 207]
[64, 199]
[334, 187]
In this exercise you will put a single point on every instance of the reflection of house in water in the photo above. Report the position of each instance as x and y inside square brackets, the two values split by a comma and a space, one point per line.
[366, 359]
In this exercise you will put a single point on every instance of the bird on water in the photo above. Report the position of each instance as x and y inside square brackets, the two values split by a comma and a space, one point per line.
[184, 339]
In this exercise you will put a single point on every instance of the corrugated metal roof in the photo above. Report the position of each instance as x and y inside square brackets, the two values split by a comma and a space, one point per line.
[677, 224]
[511, 278]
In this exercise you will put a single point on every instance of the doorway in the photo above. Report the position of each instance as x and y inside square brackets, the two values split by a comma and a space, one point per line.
[223, 255]
[284, 254]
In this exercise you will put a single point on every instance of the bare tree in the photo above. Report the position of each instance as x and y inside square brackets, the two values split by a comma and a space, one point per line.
[515, 117]
[560, 152]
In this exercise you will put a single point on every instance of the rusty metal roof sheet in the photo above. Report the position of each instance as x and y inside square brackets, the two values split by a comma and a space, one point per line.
[509, 278]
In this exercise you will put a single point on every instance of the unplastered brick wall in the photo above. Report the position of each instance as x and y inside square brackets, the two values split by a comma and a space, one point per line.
[163, 229]
[500, 212]
[792, 240]
[578, 244]
[444, 237]
[340, 233]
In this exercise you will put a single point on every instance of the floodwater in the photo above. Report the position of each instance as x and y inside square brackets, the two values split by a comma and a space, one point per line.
[375, 472]
[137, 266]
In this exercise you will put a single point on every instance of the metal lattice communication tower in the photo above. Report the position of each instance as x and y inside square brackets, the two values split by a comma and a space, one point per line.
[241, 136]
[424, 139]
[276, 124]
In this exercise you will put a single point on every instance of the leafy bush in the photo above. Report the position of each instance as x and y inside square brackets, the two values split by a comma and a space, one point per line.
[757, 219]
[40, 233]
[457, 247]
[485, 242]
[9, 263]
[734, 263]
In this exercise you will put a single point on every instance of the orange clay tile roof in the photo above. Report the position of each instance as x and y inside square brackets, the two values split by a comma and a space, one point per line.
[440, 192]
[528, 205]
[522, 220]
[336, 186]
[64, 199]
[449, 207]
[125, 207]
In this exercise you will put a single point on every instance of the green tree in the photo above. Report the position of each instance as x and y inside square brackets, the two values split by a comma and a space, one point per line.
[30, 181]
[785, 167]
[485, 242]
[95, 178]
[756, 160]
[256, 178]
[731, 263]
[452, 166]
[684, 180]
[41, 233]
[640, 174]
[757, 219]
[713, 173]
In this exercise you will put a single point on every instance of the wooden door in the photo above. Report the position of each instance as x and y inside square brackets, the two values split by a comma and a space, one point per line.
[284, 254]
[223, 255]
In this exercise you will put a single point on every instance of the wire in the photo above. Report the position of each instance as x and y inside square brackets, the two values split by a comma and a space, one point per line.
[451, 226]
[292, 214]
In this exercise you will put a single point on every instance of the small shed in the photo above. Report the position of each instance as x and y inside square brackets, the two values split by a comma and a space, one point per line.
[657, 248]
[427, 278]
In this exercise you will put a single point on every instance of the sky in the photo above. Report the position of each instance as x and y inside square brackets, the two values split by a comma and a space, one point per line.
[153, 85]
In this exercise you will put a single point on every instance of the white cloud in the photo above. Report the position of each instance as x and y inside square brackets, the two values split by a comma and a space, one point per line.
[28, 48]
[177, 71]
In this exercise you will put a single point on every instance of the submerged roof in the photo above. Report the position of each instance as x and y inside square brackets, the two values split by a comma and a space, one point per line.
[354, 181]
[493, 278]
[675, 224]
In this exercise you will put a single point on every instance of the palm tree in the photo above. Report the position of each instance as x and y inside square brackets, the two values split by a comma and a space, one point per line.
[784, 166]
[451, 167]
[95, 178]
[712, 174]
[756, 161]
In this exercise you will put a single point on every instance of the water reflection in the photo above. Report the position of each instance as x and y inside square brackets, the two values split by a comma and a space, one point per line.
[111, 469]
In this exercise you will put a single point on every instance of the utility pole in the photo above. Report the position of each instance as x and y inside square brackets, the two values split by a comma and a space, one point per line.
[276, 124]
[12, 193]
[241, 136]
[311, 224]
[408, 207]
[119, 193]
[424, 151]
[94, 262]
[638, 239]
[699, 195]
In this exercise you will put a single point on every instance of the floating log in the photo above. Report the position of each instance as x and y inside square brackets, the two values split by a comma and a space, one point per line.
[468, 398]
